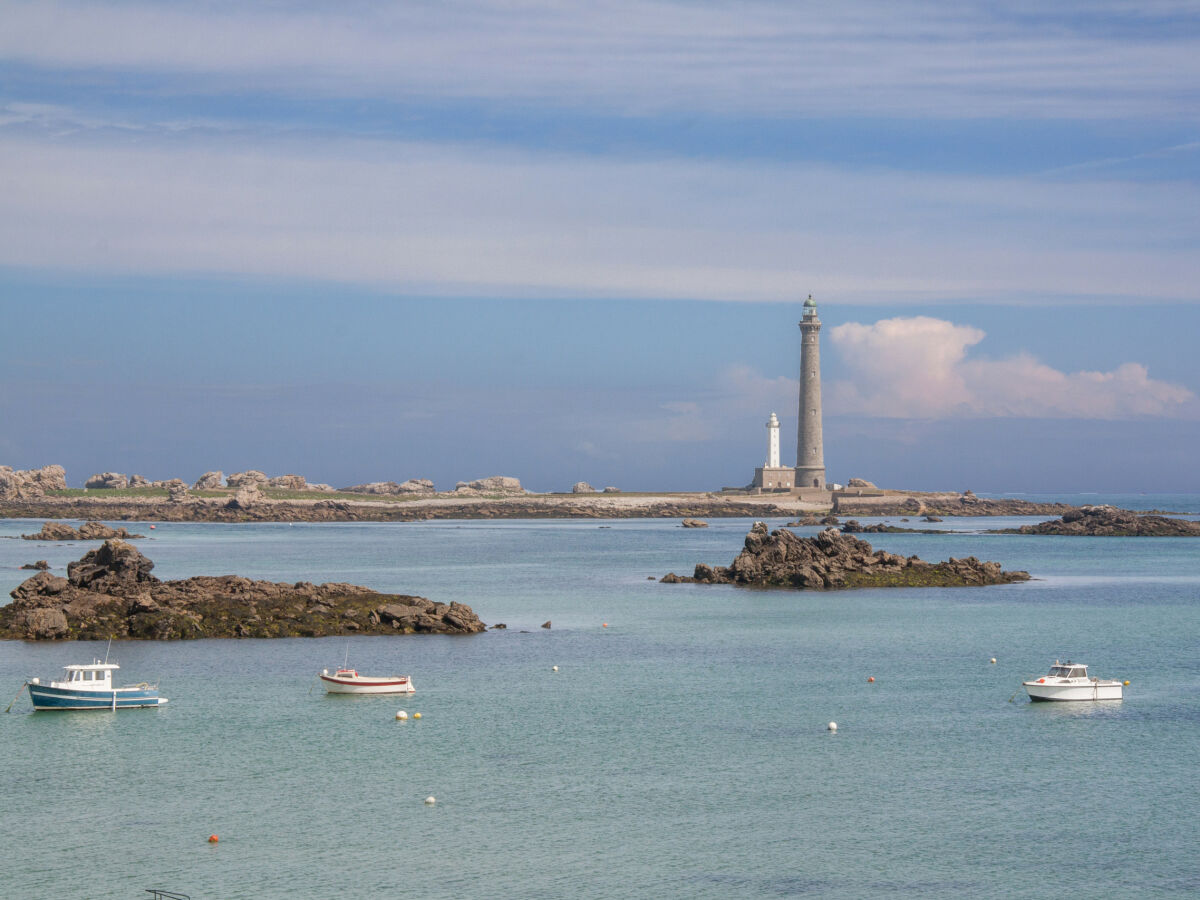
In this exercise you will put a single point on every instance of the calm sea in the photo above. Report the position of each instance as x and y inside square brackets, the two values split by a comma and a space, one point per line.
[681, 751]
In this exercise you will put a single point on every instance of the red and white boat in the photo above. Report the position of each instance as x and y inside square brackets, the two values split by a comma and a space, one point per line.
[348, 681]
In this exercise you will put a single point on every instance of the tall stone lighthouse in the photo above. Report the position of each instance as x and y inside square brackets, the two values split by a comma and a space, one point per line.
[810, 455]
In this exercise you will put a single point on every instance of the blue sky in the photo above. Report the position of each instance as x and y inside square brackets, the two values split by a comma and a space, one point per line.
[568, 241]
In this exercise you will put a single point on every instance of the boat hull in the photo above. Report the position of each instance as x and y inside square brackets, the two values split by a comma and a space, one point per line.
[1096, 690]
[360, 685]
[47, 697]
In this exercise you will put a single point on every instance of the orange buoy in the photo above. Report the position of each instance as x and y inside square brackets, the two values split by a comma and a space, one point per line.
[212, 838]
[152, 527]
[604, 625]
[871, 679]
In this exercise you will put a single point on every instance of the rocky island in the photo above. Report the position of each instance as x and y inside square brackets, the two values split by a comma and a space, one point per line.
[1108, 521]
[88, 531]
[833, 560]
[110, 593]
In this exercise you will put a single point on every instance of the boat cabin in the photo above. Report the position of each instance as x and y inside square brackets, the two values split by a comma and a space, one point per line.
[1069, 670]
[94, 677]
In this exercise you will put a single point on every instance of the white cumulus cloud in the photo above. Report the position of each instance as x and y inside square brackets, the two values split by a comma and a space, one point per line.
[918, 367]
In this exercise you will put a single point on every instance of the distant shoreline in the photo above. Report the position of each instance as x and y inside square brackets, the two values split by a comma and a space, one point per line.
[232, 506]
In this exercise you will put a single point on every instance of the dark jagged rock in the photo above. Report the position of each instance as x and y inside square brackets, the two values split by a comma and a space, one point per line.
[853, 526]
[88, 531]
[1108, 521]
[41, 565]
[834, 560]
[111, 592]
[809, 521]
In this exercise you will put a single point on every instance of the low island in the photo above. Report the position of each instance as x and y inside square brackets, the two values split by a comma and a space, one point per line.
[832, 560]
[1108, 521]
[110, 593]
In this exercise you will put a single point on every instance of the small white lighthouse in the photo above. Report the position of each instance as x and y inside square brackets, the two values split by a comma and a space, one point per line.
[773, 476]
[773, 442]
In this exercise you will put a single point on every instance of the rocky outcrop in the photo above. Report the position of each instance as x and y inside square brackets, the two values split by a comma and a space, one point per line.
[111, 593]
[494, 484]
[247, 497]
[833, 560]
[88, 531]
[41, 565]
[28, 483]
[107, 481]
[612, 490]
[853, 526]
[694, 523]
[809, 521]
[412, 486]
[1109, 521]
[139, 481]
[860, 483]
[288, 482]
[582, 487]
[209, 481]
[249, 478]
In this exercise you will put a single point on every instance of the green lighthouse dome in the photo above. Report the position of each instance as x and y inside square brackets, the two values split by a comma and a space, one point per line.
[810, 303]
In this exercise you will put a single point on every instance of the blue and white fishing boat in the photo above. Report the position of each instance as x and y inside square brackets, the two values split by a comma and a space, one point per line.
[91, 687]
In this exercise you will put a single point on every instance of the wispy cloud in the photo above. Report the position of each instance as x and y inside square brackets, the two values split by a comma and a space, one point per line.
[919, 368]
[466, 219]
[1072, 59]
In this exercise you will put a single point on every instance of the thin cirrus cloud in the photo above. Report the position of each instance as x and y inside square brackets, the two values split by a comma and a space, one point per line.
[468, 220]
[918, 367]
[974, 59]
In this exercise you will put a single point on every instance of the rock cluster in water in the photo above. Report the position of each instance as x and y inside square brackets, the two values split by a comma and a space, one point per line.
[1108, 521]
[833, 560]
[111, 593]
[88, 531]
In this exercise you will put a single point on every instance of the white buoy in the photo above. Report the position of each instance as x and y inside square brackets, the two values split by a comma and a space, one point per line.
[556, 668]
[430, 800]
[832, 726]
[402, 715]
[993, 660]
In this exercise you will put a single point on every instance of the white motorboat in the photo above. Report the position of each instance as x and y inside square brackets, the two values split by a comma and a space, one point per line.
[1070, 681]
[348, 681]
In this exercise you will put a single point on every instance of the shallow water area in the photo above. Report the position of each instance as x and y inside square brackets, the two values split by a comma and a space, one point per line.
[681, 751]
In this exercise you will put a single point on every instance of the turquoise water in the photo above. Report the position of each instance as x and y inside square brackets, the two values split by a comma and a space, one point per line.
[679, 752]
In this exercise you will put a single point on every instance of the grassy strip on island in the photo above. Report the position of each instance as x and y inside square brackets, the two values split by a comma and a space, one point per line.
[110, 593]
[832, 560]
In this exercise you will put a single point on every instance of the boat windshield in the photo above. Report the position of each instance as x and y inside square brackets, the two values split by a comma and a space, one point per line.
[1079, 673]
[1059, 671]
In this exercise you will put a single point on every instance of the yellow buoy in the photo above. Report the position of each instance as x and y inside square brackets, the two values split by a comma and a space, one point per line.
[1126, 681]
[416, 715]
